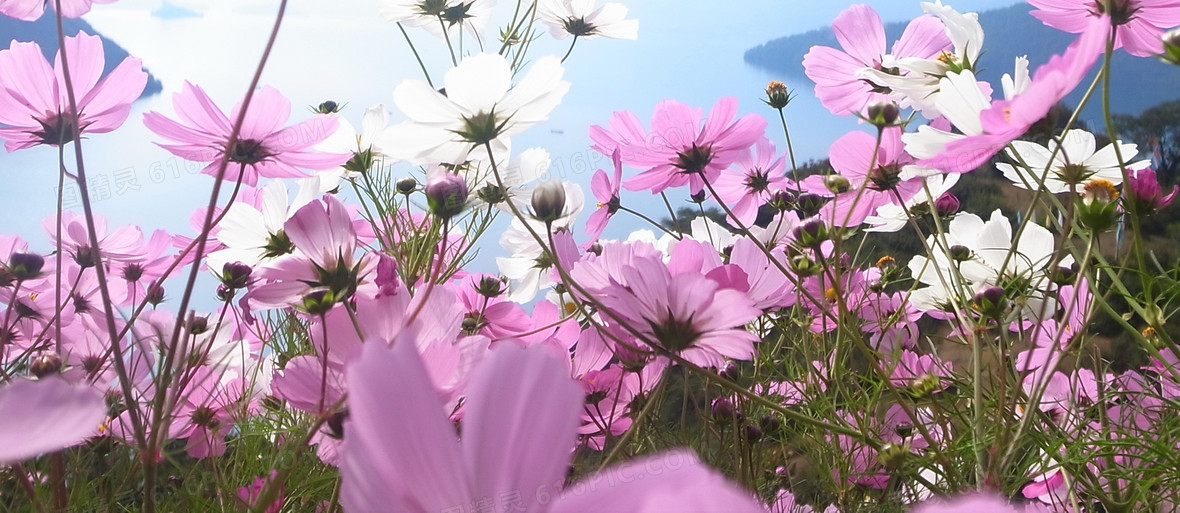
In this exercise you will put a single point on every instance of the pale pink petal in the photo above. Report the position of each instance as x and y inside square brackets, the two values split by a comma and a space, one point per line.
[400, 451]
[520, 423]
[669, 481]
[46, 415]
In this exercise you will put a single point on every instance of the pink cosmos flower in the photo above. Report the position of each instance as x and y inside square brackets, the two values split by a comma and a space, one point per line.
[971, 503]
[205, 414]
[46, 415]
[754, 177]
[679, 150]
[679, 312]
[1140, 23]
[1144, 195]
[872, 184]
[29, 10]
[262, 147]
[862, 38]
[324, 270]
[519, 422]
[34, 106]
[248, 495]
[606, 191]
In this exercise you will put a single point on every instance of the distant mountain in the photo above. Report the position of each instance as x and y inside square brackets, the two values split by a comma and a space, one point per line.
[1009, 33]
[44, 33]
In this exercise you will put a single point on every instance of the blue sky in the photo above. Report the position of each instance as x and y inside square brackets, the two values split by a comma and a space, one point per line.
[343, 50]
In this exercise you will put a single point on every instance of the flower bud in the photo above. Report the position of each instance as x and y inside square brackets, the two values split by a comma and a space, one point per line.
[809, 204]
[960, 253]
[1144, 195]
[327, 107]
[235, 275]
[723, 410]
[753, 433]
[549, 201]
[198, 324]
[491, 286]
[318, 302]
[1172, 47]
[925, 385]
[811, 233]
[447, 195]
[25, 266]
[698, 197]
[86, 256]
[45, 364]
[1097, 207]
[777, 95]
[225, 293]
[407, 185]
[990, 302]
[946, 205]
[491, 194]
[1063, 275]
[803, 266]
[882, 113]
[782, 201]
[155, 294]
[731, 371]
[837, 184]
[893, 455]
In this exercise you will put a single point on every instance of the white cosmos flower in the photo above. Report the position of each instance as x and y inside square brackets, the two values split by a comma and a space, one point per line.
[1020, 267]
[919, 88]
[892, 217]
[1076, 158]
[436, 15]
[254, 235]
[480, 105]
[580, 19]
[348, 140]
[527, 270]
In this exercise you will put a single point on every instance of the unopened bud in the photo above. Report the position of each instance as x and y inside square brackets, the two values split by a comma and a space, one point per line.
[491, 286]
[946, 205]
[1172, 47]
[25, 266]
[549, 201]
[447, 196]
[327, 107]
[882, 113]
[893, 455]
[155, 294]
[960, 253]
[990, 302]
[809, 204]
[723, 410]
[45, 364]
[803, 266]
[235, 275]
[753, 433]
[407, 185]
[837, 184]
[811, 233]
[777, 95]
[1097, 208]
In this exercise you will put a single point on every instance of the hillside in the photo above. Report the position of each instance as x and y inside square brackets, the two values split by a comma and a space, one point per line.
[1010, 32]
